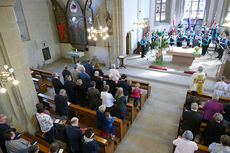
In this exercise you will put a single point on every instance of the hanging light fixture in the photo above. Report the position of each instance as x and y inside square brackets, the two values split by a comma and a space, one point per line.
[94, 33]
[140, 22]
[7, 76]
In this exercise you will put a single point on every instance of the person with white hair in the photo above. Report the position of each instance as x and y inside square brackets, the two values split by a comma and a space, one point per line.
[197, 81]
[115, 73]
[101, 120]
[74, 136]
[112, 85]
[227, 90]
[214, 130]
[185, 144]
[96, 78]
[219, 87]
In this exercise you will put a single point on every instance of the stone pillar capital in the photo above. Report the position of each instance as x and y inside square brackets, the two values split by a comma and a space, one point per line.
[7, 3]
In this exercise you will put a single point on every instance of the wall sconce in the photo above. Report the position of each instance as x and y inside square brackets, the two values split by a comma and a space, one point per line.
[7, 76]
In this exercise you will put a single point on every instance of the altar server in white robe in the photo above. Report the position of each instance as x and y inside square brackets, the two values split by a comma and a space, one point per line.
[197, 81]
[219, 87]
[227, 91]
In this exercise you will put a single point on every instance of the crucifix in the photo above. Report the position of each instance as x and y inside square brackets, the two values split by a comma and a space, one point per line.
[109, 47]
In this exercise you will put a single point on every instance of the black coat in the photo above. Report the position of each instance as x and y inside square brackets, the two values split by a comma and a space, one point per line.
[213, 132]
[100, 72]
[101, 121]
[123, 84]
[227, 112]
[70, 87]
[190, 100]
[65, 73]
[120, 109]
[3, 128]
[112, 87]
[89, 147]
[99, 82]
[61, 105]
[74, 136]
[81, 93]
[88, 69]
[60, 132]
[57, 85]
[191, 121]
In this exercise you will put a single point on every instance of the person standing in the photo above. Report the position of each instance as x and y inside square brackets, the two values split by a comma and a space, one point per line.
[75, 74]
[56, 83]
[96, 78]
[66, 72]
[61, 103]
[205, 44]
[85, 78]
[220, 86]
[88, 68]
[107, 98]
[70, 87]
[115, 73]
[198, 80]
[123, 84]
[74, 136]
[81, 92]
[94, 96]
[223, 44]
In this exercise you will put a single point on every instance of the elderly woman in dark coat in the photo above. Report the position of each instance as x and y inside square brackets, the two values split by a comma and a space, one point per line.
[101, 120]
[120, 109]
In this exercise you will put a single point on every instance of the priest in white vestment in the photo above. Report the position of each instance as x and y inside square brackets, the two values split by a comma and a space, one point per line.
[197, 81]
[219, 87]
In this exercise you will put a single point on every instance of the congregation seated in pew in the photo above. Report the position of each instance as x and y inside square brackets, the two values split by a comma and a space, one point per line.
[222, 147]
[191, 99]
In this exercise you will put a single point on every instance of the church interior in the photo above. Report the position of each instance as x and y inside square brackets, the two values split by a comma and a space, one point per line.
[114, 76]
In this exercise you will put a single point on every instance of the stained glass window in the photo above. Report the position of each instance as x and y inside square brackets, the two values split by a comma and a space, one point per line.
[161, 8]
[194, 9]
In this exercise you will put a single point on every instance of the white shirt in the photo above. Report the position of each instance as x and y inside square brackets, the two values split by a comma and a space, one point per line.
[116, 74]
[79, 66]
[107, 99]
[218, 148]
[219, 88]
[184, 146]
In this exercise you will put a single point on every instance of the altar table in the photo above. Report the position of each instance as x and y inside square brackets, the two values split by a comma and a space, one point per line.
[75, 55]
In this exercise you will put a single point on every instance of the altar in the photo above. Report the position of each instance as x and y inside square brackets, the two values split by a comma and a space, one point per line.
[75, 55]
[181, 55]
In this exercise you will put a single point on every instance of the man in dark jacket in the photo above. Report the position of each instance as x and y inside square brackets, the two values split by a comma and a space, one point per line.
[74, 136]
[57, 83]
[70, 87]
[66, 72]
[123, 84]
[191, 99]
[96, 78]
[88, 68]
[112, 85]
[192, 120]
[94, 96]
[85, 78]
[61, 103]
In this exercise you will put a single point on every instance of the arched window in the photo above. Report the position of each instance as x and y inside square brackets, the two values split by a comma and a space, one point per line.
[194, 9]
[20, 19]
[161, 10]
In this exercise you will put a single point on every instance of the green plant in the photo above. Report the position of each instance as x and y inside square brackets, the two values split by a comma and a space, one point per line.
[73, 49]
[196, 53]
[197, 48]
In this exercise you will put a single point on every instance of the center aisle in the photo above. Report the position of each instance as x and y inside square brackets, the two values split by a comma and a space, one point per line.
[156, 125]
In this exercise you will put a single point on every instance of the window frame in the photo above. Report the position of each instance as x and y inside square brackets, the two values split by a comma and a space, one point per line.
[167, 3]
[198, 6]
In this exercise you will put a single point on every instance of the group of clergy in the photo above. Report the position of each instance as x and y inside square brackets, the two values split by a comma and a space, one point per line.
[188, 37]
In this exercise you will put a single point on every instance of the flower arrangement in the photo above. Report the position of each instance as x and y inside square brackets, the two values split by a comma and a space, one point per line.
[196, 53]
[163, 43]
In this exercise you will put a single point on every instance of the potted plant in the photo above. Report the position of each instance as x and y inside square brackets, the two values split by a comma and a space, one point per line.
[159, 56]
[196, 53]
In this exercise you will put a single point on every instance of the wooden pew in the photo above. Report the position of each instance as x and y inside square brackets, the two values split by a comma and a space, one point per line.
[205, 97]
[44, 75]
[88, 118]
[202, 149]
[42, 87]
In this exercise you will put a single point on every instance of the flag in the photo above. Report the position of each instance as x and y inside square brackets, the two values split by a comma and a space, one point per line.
[188, 24]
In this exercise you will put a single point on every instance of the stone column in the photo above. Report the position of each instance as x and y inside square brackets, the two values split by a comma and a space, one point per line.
[19, 102]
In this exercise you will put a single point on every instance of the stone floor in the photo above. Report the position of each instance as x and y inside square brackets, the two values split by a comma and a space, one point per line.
[156, 125]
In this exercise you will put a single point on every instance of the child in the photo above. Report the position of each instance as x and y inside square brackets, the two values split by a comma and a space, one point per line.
[136, 94]
[110, 130]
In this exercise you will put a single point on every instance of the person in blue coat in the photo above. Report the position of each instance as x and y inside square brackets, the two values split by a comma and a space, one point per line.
[88, 144]
[66, 72]
[101, 120]
[88, 68]
[85, 78]
[74, 136]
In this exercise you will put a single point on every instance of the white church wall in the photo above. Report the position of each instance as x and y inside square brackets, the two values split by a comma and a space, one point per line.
[130, 14]
[41, 26]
